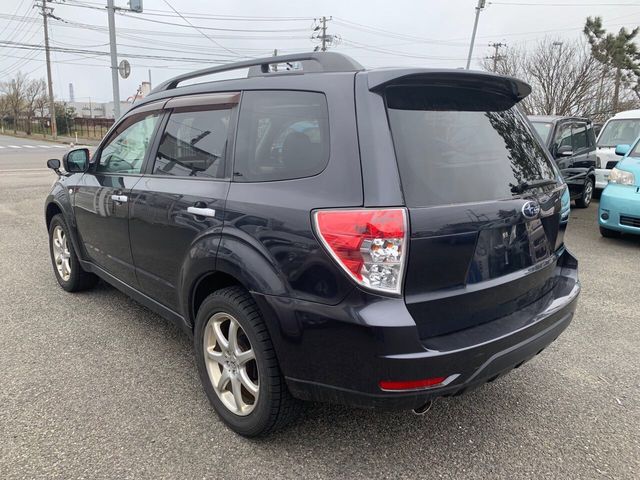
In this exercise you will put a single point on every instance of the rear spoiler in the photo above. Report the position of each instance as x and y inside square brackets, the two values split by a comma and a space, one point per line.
[509, 87]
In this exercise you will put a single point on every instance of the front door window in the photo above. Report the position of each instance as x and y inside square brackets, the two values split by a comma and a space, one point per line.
[125, 151]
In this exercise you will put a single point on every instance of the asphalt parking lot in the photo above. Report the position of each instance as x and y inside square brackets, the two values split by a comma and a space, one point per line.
[95, 386]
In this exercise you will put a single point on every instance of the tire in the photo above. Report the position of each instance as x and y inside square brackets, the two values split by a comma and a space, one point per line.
[587, 194]
[66, 266]
[249, 414]
[607, 233]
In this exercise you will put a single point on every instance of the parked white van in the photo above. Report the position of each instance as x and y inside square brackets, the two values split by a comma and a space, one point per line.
[621, 129]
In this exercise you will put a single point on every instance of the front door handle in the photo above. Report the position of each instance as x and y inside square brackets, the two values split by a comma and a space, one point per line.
[202, 212]
[120, 198]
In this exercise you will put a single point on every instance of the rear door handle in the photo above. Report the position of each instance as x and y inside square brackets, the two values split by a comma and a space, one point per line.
[120, 198]
[202, 212]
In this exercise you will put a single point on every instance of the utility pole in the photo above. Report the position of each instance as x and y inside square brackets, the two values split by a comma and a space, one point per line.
[496, 56]
[111, 11]
[324, 34]
[320, 33]
[52, 105]
[479, 8]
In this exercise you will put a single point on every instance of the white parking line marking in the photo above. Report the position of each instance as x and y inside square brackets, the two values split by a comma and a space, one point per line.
[59, 146]
[2, 146]
[13, 146]
[28, 146]
[45, 146]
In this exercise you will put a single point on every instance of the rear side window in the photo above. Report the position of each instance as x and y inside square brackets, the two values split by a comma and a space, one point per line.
[281, 135]
[580, 139]
[457, 146]
[194, 144]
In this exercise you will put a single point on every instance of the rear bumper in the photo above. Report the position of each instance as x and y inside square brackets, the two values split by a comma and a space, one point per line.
[617, 201]
[339, 353]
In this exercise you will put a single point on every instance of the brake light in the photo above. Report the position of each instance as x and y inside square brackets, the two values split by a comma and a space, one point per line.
[369, 244]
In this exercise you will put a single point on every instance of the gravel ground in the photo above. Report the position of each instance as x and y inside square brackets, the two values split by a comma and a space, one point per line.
[95, 386]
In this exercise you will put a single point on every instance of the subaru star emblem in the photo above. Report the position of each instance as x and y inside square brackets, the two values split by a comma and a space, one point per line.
[530, 209]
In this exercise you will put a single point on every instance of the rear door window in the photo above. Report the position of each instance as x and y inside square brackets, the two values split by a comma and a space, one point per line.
[281, 135]
[580, 139]
[194, 144]
[459, 147]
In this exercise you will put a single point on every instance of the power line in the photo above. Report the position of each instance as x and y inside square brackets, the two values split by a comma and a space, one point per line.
[130, 55]
[100, 28]
[388, 33]
[218, 29]
[195, 15]
[199, 30]
[13, 15]
[396, 53]
[531, 4]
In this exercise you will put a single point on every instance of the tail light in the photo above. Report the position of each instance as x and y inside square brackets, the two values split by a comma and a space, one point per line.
[369, 244]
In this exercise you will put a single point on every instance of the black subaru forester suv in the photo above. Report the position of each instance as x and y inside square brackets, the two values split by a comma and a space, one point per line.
[375, 238]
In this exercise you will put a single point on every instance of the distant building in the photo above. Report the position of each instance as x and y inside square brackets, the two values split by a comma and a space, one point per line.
[91, 109]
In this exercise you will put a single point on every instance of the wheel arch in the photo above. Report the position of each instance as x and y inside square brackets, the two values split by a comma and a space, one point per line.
[204, 286]
[51, 210]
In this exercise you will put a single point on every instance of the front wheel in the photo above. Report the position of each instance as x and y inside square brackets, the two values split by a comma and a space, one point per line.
[66, 265]
[238, 366]
[587, 194]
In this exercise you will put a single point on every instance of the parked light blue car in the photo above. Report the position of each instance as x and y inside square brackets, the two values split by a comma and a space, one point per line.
[619, 210]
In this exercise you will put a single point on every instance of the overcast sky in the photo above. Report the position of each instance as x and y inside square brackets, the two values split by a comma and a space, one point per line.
[376, 33]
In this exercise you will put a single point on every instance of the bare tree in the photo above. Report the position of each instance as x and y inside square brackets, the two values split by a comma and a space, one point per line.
[14, 94]
[4, 110]
[34, 92]
[41, 106]
[565, 78]
[562, 76]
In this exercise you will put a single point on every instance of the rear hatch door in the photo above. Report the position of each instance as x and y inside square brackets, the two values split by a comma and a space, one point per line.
[484, 199]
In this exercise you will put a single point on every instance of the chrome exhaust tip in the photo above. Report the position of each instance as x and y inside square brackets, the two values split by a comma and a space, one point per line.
[423, 409]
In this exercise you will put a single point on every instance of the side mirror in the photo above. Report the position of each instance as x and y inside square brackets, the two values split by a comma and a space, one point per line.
[54, 164]
[76, 160]
[623, 149]
[564, 151]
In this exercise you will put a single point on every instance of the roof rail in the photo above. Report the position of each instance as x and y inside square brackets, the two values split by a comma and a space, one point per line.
[313, 61]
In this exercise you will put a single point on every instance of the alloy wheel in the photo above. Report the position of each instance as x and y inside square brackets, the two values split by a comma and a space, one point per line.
[231, 364]
[588, 192]
[61, 253]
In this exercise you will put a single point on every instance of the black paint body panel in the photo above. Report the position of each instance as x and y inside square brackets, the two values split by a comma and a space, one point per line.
[464, 309]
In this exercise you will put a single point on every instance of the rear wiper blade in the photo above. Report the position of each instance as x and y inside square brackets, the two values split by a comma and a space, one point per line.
[523, 186]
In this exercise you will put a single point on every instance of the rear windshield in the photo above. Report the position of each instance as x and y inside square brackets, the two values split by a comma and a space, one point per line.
[619, 132]
[458, 146]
